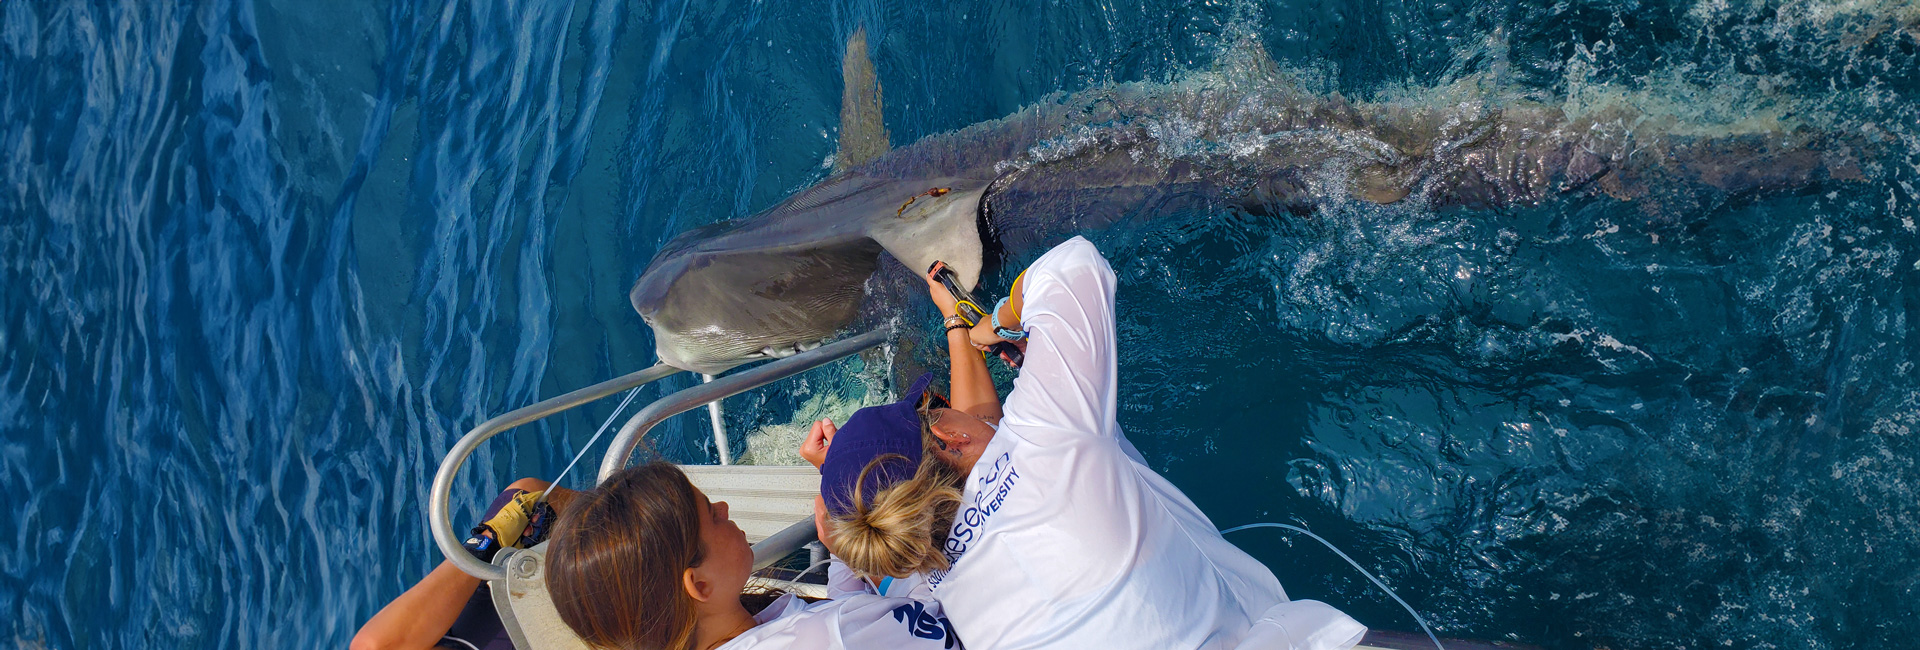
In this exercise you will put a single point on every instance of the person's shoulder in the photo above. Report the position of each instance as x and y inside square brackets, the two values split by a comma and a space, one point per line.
[788, 623]
[1077, 249]
[851, 605]
[1071, 259]
[854, 605]
[1040, 440]
[891, 621]
[1077, 243]
[785, 605]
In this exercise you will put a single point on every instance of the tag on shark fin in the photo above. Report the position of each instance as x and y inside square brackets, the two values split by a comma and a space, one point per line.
[863, 134]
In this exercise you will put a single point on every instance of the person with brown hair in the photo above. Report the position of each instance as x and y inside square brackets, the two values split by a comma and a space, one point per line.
[1060, 534]
[646, 562]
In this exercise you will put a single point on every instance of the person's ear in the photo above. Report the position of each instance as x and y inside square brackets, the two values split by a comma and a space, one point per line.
[696, 585]
[951, 439]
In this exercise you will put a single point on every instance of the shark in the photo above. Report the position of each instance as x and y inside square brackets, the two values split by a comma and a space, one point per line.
[1240, 136]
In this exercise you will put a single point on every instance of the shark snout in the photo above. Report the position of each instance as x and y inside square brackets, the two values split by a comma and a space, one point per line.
[751, 294]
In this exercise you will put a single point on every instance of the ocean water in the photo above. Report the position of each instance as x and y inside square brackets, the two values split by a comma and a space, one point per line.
[262, 262]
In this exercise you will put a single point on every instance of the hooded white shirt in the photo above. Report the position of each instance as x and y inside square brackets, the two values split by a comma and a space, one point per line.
[1066, 539]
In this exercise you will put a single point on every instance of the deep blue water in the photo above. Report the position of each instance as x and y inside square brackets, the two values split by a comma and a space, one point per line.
[263, 262]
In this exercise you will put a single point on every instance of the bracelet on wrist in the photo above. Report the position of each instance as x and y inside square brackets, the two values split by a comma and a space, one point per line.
[1005, 332]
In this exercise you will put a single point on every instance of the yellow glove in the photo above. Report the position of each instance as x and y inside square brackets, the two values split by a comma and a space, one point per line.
[512, 519]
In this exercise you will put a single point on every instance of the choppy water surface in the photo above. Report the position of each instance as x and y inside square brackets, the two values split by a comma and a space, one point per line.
[263, 262]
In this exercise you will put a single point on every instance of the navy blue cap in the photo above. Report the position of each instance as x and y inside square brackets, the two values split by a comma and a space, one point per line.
[872, 432]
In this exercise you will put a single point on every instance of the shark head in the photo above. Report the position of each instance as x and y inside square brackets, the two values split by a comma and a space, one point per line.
[791, 277]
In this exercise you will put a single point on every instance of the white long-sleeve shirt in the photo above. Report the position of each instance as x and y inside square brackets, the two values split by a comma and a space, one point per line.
[1066, 539]
[855, 618]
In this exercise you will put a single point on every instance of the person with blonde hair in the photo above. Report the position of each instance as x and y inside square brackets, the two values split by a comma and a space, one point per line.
[894, 535]
[1060, 534]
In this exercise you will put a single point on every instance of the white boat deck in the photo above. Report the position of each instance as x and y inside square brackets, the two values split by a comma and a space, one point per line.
[762, 499]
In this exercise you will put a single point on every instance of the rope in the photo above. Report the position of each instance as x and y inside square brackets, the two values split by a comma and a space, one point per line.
[1356, 567]
[809, 569]
[631, 393]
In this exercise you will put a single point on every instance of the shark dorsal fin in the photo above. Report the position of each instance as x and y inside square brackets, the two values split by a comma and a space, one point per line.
[1247, 61]
[863, 136]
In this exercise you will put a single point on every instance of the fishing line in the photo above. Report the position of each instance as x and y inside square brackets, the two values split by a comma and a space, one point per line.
[631, 392]
[1356, 567]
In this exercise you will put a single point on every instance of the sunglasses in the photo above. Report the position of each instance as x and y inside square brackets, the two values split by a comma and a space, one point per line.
[930, 402]
[932, 399]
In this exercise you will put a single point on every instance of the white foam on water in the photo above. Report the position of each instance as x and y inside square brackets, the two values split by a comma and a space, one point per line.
[779, 444]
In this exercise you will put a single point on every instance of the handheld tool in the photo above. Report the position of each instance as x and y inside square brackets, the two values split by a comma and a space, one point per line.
[970, 311]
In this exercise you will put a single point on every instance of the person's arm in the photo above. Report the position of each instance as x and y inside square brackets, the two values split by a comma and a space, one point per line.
[971, 384]
[418, 618]
[1065, 303]
[973, 390]
[983, 336]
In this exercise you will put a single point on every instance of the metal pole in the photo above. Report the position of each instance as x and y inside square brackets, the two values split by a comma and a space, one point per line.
[630, 434]
[439, 515]
[779, 544]
[719, 421]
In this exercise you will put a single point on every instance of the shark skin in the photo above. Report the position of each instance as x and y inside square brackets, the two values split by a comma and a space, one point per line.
[784, 280]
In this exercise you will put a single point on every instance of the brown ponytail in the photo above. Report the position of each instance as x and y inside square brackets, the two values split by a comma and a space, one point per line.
[903, 530]
[615, 564]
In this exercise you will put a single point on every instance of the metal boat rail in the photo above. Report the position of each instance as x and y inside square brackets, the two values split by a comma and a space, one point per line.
[440, 516]
[728, 386]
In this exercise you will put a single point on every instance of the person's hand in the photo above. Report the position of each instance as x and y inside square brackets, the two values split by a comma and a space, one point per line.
[941, 297]
[822, 524]
[982, 335]
[814, 448]
[983, 339]
[512, 518]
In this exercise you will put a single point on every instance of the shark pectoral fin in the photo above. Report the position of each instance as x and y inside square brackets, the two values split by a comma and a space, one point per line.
[1381, 184]
[863, 135]
[942, 228]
